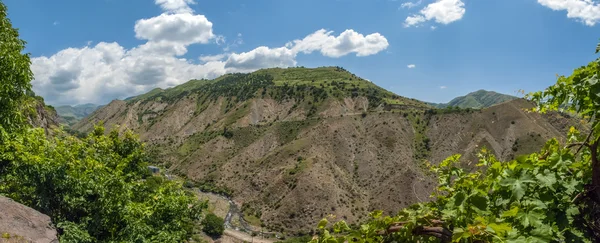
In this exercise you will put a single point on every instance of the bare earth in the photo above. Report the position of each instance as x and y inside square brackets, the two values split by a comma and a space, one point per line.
[292, 171]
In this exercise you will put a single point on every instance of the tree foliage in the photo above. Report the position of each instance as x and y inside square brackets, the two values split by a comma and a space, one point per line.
[15, 74]
[213, 225]
[95, 189]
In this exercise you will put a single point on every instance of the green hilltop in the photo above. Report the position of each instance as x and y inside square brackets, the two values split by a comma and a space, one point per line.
[308, 86]
[478, 99]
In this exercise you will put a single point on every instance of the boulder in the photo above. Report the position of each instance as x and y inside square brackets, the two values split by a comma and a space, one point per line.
[19, 223]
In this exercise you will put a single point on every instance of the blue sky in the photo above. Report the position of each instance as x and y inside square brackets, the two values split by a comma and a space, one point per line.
[99, 50]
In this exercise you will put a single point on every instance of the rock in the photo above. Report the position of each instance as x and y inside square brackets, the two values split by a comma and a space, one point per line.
[19, 223]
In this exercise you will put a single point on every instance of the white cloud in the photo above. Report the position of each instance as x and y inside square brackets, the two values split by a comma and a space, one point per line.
[411, 66]
[213, 58]
[433, 27]
[181, 28]
[347, 42]
[443, 87]
[176, 6]
[260, 57]
[441, 11]
[586, 11]
[106, 71]
[411, 4]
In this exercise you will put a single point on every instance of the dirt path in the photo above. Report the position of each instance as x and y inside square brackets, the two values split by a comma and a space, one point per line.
[241, 237]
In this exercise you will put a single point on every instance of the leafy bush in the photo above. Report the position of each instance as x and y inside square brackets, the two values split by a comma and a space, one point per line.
[213, 225]
[97, 188]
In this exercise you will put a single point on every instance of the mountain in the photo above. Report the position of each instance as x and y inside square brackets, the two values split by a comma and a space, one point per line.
[478, 99]
[72, 114]
[294, 145]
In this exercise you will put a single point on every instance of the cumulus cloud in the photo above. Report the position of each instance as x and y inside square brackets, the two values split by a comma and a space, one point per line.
[260, 57]
[347, 42]
[586, 11]
[181, 28]
[106, 71]
[322, 41]
[441, 11]
[443, 87]
[411, 4]
[411, 66]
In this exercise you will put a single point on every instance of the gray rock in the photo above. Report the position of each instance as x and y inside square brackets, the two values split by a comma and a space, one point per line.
[19, 223]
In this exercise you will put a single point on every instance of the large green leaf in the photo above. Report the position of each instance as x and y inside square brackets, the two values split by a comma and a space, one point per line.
[518, 186]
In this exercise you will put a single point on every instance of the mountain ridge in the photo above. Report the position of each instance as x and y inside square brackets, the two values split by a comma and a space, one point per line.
[72, 114]
[476, 99]
[288, 164]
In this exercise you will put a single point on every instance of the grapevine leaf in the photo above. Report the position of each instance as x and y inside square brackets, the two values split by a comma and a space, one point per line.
[322, 224]
[543, 233]
[500, 229]
[518, 186]
[572, 211]
[531, 218]
[479, 202]
[511, 213]
[376, 214]
[547, 180]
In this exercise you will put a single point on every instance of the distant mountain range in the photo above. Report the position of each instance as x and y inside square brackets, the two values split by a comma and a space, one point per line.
[478, 99]
[70, 115]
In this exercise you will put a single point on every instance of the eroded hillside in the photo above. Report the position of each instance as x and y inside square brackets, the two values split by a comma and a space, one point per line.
[293, 145]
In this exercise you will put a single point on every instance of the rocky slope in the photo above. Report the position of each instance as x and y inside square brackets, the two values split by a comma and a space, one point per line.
[43, 116]
[19, 223]
[312, 142]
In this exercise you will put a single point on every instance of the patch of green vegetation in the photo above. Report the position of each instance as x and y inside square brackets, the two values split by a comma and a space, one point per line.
[252, 214]
[209, 185]
[237, 114]
[288, 131]
[245, 136]
[213, 225]
[421, 146]
[450, 110]
[299, 167]
[195, 141]
[146, 112]
[253, 220]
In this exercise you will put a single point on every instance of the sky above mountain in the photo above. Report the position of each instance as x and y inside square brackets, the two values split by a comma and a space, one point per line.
[95, 51]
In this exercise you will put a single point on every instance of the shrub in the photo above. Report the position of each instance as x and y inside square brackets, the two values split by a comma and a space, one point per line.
[213, 225]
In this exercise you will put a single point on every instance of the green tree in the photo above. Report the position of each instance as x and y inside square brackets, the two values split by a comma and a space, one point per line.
[15, 74]
[213, 225]
[95, 188]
